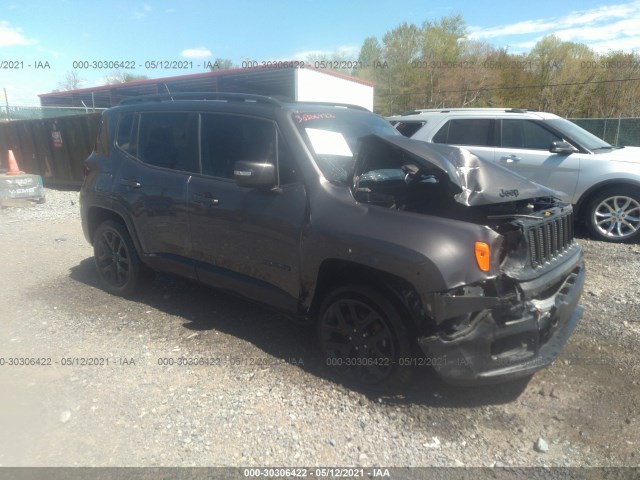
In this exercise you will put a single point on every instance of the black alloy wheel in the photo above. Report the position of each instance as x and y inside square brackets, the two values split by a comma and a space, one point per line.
[363, 338]
[117, 261]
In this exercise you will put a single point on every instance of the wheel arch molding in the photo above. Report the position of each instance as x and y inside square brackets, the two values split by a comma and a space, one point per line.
[593, 190]
[399, 291]
[98, 214]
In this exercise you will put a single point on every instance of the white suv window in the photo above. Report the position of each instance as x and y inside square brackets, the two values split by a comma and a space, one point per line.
[463, 131]
[526, 134]
[408, 128]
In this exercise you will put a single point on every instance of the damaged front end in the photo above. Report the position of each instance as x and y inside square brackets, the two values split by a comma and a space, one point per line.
[515, 320]
[518, 322]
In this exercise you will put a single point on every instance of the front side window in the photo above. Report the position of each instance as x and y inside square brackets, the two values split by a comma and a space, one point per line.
[466, 131]
[526, 134]
[579, 135]
[226, 139]
[287, 166]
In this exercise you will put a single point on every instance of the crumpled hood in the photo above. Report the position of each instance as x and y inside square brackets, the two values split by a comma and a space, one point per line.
[479, 182]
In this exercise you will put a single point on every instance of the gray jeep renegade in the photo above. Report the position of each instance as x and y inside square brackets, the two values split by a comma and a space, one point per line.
[400, 252]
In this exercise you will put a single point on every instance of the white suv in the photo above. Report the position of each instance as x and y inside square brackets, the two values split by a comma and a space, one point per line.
[601, 181]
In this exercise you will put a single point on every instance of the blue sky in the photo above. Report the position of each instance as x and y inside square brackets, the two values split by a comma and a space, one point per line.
[64, 31]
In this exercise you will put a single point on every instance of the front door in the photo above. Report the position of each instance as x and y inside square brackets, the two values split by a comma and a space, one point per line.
[524, 148]
[246, 239]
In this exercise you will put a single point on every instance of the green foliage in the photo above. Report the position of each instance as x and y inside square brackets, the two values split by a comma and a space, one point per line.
[118, 76]
[222, 64]
[437, 65]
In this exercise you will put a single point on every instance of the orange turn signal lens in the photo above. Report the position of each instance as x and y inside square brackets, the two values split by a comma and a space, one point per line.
[483, 256]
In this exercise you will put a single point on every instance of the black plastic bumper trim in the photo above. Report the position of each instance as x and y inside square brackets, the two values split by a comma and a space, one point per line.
[468, 360]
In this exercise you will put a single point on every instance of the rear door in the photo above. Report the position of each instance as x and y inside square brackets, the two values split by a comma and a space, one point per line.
[478, 135]
[160, 154]
[246, 239]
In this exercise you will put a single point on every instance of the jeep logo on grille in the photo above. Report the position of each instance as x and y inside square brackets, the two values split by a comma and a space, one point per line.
[509, 193]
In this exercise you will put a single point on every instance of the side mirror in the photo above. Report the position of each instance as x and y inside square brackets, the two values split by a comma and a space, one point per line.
[254, 174]
[562, 148]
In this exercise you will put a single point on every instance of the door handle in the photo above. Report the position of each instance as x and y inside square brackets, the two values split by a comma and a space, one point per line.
[205, 199]
[510, 159]
[130, 182]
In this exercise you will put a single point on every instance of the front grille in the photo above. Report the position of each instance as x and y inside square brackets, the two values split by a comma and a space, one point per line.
[548, 239]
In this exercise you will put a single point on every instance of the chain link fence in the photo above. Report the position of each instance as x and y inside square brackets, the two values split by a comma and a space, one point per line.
[39, 113]
[616, 131]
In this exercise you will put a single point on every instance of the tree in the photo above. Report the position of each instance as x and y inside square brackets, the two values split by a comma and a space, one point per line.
[618, 94]
[564, 85]
[118, 76]
[445, 62]
[72, 81]
[222, 64]
[400, 47]
[437, 65]
[369, 59]
[444, 40]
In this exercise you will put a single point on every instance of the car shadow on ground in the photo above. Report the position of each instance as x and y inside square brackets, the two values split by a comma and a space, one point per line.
[204, 309]
[581, 232]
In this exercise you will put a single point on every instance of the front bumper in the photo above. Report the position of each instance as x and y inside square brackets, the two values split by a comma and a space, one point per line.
[493, 350]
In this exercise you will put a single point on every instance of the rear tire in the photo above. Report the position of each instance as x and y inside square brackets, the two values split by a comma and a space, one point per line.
[613, 215]
[364, 339]
[117, 261]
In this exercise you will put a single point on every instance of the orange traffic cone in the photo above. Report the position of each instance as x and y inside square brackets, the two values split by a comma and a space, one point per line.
[13, 165]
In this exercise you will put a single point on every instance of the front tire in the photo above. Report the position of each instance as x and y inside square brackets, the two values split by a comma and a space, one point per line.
[117, 261]
[613, 215]
[363, 338]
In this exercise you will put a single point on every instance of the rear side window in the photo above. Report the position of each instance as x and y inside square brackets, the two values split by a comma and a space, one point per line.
[126, 137]
[168, 140]
[161, 139]
[475, 132]
[102, 140]
[408, 128]
[526, 134]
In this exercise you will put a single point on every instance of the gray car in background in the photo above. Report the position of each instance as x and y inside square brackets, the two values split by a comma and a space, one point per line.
[600, 180]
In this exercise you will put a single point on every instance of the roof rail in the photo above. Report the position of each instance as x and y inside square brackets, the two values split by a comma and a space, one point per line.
[170, 97]
[335, 104]
[468, 109]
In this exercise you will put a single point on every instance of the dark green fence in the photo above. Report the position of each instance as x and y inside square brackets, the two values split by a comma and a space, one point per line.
[21, 112]
[54, 148]
[616, 131]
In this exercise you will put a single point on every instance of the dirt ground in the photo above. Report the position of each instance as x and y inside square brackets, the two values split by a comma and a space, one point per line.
[102, 385]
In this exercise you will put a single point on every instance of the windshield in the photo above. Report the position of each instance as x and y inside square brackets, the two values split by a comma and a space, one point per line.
[333, 138]
[578, 134]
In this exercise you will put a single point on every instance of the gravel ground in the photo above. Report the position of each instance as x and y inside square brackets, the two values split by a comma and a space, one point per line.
[265, 399]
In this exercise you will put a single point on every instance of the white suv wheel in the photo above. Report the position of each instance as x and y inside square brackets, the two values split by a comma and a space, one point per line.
[615, 217]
